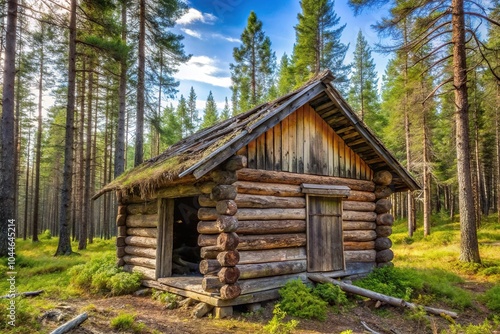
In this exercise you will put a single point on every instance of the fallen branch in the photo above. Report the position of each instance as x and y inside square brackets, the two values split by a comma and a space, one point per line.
[378, 296]
[73, 323]
[24, 294]
[368, 328]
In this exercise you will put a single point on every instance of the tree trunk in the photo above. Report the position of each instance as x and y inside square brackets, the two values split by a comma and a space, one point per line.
[497, 133]
[64, 245]
[7, 163]
[122, 93]
[139, 127]
[469, 248]
[426, 175]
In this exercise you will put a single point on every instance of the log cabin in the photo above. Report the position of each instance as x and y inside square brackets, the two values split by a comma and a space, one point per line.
[228, 215]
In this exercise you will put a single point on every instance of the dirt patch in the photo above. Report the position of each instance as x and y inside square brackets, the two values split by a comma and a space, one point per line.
[157, 319]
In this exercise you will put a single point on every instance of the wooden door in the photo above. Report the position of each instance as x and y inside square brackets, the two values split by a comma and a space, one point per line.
[325, 249]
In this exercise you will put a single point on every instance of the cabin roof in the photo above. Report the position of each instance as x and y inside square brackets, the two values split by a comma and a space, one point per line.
[203, 151]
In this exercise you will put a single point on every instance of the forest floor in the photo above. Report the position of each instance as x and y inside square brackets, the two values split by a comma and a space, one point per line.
[157, 319]
[449, 284]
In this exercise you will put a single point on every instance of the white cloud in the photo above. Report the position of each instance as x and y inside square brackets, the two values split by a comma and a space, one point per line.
[203, 69]
[227, 38]
[191, 33]
[193, 15]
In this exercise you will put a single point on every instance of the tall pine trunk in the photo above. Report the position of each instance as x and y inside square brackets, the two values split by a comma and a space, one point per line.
[64, 245]
[7, 145]
[122, 93]
[469, 248]
[139, 125]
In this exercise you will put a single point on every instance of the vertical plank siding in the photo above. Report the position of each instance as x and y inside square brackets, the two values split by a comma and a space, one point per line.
[304, 143]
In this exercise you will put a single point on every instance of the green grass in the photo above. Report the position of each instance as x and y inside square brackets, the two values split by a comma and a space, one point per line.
[38, 269]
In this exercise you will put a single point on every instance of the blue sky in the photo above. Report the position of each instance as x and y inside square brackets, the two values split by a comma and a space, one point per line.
[212, 29]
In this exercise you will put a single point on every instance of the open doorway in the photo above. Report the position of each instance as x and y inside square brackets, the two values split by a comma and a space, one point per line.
[178, 253]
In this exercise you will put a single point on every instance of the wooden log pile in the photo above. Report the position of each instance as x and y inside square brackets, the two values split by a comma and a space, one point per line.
[136, 236]
[217, 228]
[384, 219]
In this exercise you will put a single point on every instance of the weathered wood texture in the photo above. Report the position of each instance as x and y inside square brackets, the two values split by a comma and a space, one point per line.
[256, 214]
[144, 242]
[259, 175]
[143, 232]
[271, 269]
[146, 208]
[259, 201]
[303, 143]
[140, 261]
[256, 242]
[252, 226]
[147, 273]
[142, 220]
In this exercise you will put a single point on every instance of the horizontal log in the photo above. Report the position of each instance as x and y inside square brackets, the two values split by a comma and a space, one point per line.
[229, 275]
[141, 251]
[147, 273]
[222, 224]
[223, 177]
[226, 207]
[272, 255]
[230, 291]
[211, 283]
[382, 192]
[254, 226]
[348, 225]
[258, 175]
[209, 252]
[141, 242]
[382, 178]
[271, 269]
[257, 214]
[269, 189]
[186, 190]
[358, 215]
[377, 296]
[385, 219]
[143, 232]
[383, 205]
[361, 196]
[221, 191]
[121, 220]
[140, 261]
[383, 243]
[255, 242]
[235, 163]
[121, 231]
[228, 258]
[360, 235]
[358, 206]
[146, 208]
[228, 241]
[70, 325]
[360, 255]
[385, 255]
[142, 220]
[266, 283]
[259, 201]
[209, 267]
[359, 245]
[383, 231]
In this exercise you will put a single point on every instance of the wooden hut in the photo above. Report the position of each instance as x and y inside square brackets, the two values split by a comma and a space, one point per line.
[229, 214]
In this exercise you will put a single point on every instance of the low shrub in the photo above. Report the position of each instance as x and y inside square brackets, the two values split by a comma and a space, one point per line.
[277, 326]
[330, 293]
[298, 300]
[492, 298]
[101, 275]
[391, 281]
[487, 327]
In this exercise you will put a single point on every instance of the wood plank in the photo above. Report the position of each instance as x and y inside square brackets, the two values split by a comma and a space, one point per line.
[252, 154]
[165, 238]
[270, 149]
[300, 139]
[325, 146]
[285, 149]
[348, 162]
[292, 142]
[247, 174]
[307, 139]
[277, 147]
[261, 151]
[342, 158]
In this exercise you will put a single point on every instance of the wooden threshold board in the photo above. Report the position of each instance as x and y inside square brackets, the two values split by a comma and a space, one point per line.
[190, 287]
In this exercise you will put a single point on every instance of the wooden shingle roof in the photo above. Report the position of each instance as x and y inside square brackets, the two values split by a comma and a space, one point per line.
[203, 151]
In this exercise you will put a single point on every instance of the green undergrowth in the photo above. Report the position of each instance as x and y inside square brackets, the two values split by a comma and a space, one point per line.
[36, 269]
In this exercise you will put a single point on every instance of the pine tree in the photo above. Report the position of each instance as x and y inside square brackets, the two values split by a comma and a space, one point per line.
[285, 76]
[318, 45]
[192, 122]
[226, 112]
[252, 72]
[210, 116]
[363, 95]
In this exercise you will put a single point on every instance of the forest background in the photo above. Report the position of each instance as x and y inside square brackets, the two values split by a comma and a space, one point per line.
[109, 67]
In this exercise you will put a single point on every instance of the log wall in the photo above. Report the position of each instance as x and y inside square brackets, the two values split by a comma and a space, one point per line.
[137, 237]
